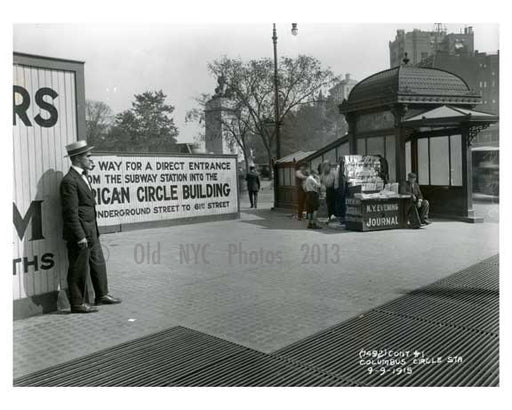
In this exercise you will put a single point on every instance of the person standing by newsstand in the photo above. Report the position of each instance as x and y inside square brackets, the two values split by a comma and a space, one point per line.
[300, 179]
[340, 189]
[328, 178]
[312, 186]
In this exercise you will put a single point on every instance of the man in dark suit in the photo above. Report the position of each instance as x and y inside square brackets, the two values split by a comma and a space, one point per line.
[418, 211]
[81, 232]
[253, 186]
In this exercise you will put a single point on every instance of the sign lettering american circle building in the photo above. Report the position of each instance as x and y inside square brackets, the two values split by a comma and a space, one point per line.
[141, 189]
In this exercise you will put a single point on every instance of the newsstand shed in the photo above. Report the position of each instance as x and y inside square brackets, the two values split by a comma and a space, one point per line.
[285, 192]
[421, 120]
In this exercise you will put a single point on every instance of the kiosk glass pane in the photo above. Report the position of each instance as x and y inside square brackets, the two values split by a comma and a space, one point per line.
[361, 146]
[343, 149]
[330, 155]
[315, 162]
[391, 157]
[423, 174]
[286, 177]
[439, 161]
[292, 176]
[408, 158]
[375, 145]
[456, 160]
[281, 176]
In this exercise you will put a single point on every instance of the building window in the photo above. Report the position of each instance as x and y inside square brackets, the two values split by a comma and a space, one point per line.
[481, 84]
[485, 84]
[493, 83]
[494, 101]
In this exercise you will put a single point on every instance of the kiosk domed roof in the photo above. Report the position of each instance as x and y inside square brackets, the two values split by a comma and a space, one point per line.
[409, 84]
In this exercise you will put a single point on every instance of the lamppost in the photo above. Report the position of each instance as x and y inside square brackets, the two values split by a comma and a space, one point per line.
[276, 88]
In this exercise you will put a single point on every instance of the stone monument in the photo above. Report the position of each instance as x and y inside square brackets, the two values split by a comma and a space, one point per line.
[218, 111]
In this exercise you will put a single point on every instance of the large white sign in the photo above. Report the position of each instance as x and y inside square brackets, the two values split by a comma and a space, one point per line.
[131, 189]
[44, 122]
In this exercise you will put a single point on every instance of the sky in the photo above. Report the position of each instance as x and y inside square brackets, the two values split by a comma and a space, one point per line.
[125, 59]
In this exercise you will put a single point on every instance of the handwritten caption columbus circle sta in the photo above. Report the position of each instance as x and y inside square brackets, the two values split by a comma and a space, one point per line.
[392, 361]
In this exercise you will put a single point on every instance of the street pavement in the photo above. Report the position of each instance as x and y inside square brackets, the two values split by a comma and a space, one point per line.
[263, 281]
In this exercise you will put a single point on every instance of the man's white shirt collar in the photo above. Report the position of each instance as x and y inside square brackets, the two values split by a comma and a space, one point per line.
[81, 172]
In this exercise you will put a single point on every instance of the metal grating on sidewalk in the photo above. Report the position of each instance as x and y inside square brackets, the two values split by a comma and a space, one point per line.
[445, 334]
[178, 357]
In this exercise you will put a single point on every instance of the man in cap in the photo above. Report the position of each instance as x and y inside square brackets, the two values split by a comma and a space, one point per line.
[418, 212]
[81, 232]
[253, 186]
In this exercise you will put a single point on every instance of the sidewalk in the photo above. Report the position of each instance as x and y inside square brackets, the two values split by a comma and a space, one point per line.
[265, 282]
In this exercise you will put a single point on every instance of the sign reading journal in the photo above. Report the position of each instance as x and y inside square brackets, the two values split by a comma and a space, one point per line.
[142, 189]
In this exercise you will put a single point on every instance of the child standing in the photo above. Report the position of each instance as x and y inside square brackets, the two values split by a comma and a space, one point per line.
[312, 186]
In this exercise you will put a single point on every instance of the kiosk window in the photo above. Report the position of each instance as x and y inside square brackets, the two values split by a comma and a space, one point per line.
[315, 162]
[391, 157]
[423, 174]
[408, 158]
[330, 155]
[439, 161]
[361, 146]
[343, 149]
[384, 146]
[375, 146]
[456, 160]
[286, 180]
[281, 176]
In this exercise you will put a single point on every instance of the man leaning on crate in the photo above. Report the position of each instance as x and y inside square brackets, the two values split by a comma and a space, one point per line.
[418, 210]
[81, 232]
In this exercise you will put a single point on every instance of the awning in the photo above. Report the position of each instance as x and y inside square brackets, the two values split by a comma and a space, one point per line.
[448, 115]
[295, 157]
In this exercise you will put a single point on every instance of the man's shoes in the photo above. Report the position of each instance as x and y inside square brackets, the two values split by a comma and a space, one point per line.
[107, 300]
[83, 308]
[427, 222]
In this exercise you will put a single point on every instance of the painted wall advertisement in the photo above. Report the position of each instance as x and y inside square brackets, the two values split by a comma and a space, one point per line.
[143, 189]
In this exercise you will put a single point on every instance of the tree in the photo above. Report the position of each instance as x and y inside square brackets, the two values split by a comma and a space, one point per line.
[147, 126]
[313, 126]
[98, 117]
[251, 86]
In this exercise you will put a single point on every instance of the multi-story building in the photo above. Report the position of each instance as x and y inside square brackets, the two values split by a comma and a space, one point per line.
[337, 94]
[420, 45]
[481, 73]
